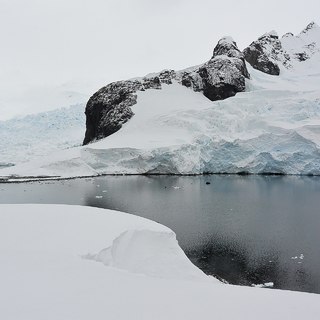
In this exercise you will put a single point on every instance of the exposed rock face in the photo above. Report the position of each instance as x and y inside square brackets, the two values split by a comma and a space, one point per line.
[109, 108]
[221, 77]
[310, 26]
[263, 54]
[269, 54]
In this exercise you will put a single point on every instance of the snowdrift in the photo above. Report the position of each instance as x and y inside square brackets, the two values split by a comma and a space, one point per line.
[147, 252]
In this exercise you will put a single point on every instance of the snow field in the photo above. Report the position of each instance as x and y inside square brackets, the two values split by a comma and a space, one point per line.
[43, 274]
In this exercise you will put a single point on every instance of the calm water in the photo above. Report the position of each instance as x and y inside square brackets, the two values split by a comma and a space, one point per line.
[245, 229]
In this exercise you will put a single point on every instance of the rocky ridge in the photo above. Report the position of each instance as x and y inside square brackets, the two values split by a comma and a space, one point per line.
[264, 54]
[270, 54]
[219, 78]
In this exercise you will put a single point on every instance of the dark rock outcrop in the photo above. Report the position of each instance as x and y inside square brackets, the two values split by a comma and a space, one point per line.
[268, 54]
[109, 108]
[263, 54]
[310, 26]
[221, 77]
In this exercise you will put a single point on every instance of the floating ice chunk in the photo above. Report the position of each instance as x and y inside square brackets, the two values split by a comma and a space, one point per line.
[301, 256]
[268, 284]
[264, 285]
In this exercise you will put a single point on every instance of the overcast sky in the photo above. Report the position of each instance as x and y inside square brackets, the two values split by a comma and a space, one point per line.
[50, 42]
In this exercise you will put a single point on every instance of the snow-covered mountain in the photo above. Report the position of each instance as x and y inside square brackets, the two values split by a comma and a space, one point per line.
[270, 54]
[221, 77]
[174, 121]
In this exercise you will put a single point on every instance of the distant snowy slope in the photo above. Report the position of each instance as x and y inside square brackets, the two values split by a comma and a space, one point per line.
[304, 45]
[25, 138]
[21, 99]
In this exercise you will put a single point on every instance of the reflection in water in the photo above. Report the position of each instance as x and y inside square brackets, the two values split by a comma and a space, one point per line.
[245, 229]
[233, 262]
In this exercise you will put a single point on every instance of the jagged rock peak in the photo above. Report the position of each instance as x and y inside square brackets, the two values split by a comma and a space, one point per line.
[222, 76]
[304, 46]
[271, 34]
[287, 35]
[226, 46]
[269, 54]
[311, 25]
[263, 54]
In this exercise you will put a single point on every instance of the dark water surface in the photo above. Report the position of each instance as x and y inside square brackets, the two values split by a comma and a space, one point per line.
[246, 229]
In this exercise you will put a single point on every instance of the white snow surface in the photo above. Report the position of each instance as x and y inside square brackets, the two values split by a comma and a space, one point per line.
[273, 127]
[19, 99]
[45, 272]
[150, 253]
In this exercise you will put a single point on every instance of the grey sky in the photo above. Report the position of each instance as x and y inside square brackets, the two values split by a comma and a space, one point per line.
[50, 42]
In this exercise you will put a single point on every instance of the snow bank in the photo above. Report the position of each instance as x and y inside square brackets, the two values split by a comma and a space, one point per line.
[43, 276]
[155, 254]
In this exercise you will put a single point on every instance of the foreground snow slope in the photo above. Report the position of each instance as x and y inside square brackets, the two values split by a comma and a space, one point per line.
[47, 272]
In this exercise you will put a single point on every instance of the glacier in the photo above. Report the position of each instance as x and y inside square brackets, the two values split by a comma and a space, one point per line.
[26, 138]
[271, 127]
